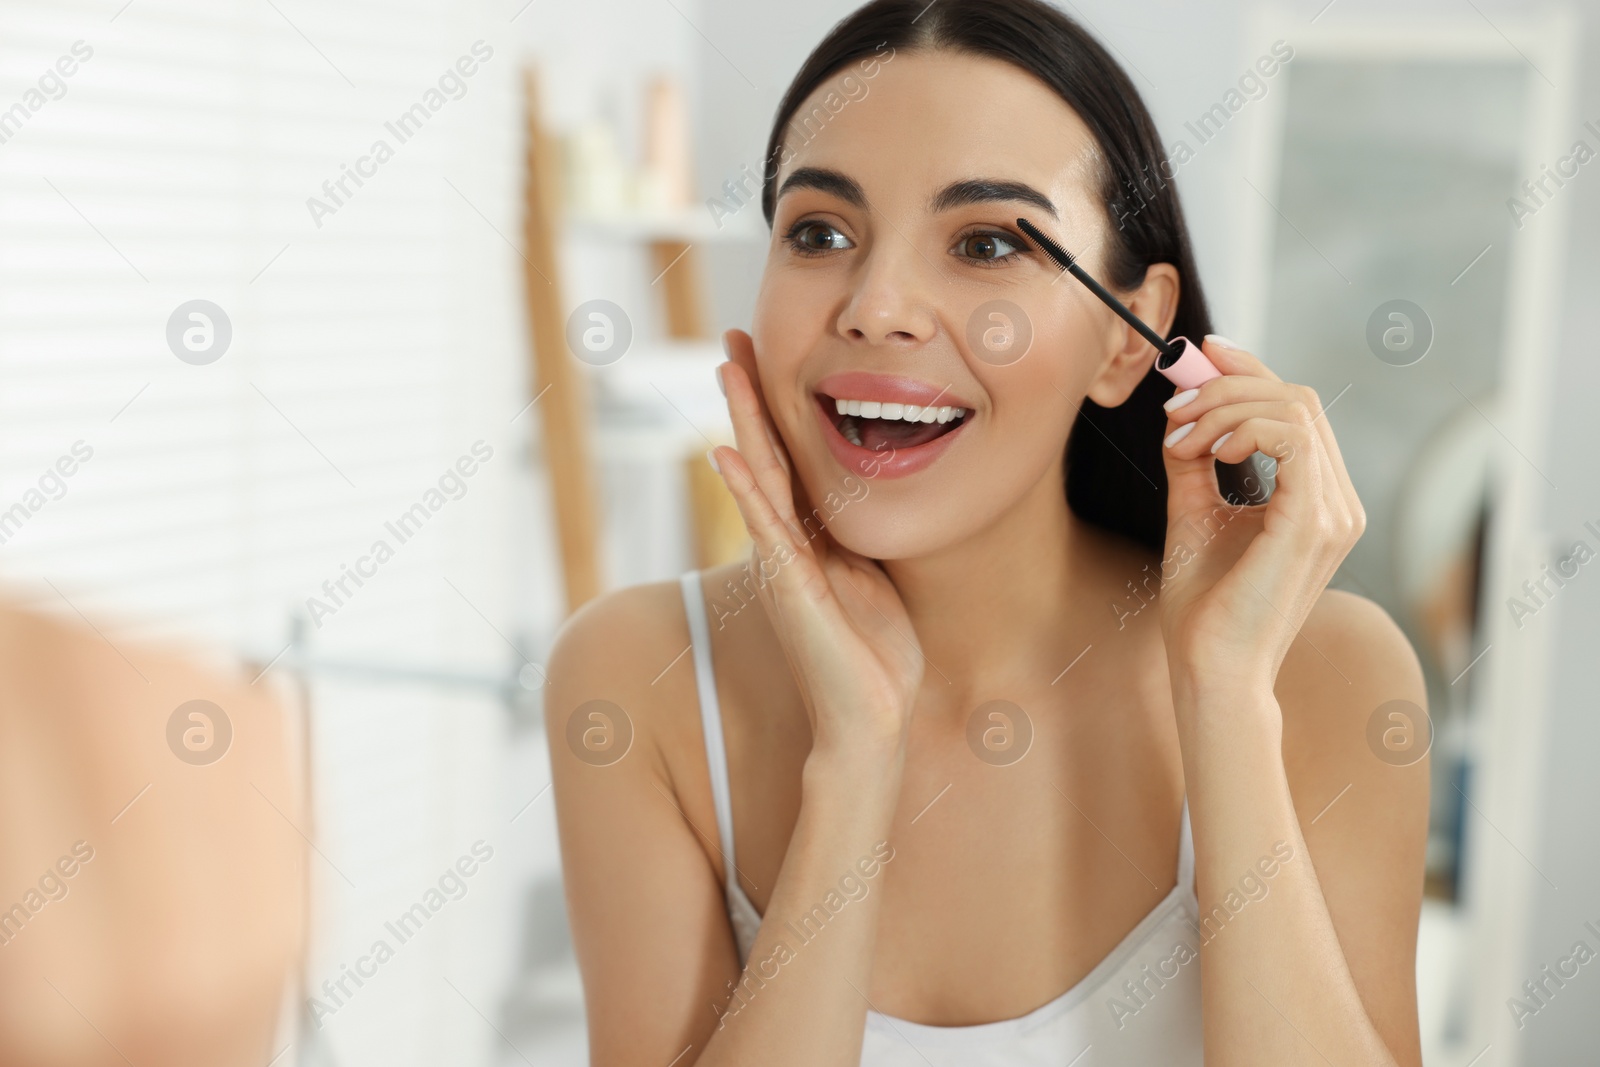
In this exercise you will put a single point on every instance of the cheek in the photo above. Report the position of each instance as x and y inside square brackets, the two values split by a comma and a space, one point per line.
[792, 299]
[783, 330]
[1026, 433]
[1034, 401]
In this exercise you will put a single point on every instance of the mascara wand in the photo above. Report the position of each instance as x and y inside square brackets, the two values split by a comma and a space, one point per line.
[1182, 363]
[1179, 360]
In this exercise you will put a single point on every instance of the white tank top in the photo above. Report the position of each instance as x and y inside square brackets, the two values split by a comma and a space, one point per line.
[1139, 1005]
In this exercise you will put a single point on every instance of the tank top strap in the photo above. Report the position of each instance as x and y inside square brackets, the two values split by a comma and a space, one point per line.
[1186, 850]
[694, 607]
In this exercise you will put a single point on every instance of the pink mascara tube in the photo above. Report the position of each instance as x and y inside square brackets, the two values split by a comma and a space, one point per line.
[1182, 363]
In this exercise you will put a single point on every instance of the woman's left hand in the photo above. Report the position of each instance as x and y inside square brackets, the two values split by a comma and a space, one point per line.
[1238, 581]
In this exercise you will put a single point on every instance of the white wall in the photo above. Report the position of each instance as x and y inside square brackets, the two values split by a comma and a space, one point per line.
[1568, 1031]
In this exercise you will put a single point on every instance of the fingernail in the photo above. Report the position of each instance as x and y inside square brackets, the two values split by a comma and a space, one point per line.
[723, 389]
[1218, 339]
[1181, 399]
[1179, 434]
[711, 458]
[1220, 441]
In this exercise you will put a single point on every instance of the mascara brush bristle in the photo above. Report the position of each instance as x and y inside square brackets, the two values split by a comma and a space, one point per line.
[1063, 258]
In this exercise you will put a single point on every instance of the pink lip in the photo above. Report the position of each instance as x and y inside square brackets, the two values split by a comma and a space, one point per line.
[888, 389]
[896, 463]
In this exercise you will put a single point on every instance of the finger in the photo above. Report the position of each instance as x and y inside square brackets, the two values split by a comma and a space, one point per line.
[1340, 504]
[1321, 518]
[1196, 437]
[1299, 403]
[772, 537]
[741, 350]
[1229, 358]
[1339, 527]
[1190, 404]
[788, 574]
[1204, 426]
[755, 444]
[1299, 490]
[795, 504]
[1330, 446]
[1192, 479]
[1246, 376]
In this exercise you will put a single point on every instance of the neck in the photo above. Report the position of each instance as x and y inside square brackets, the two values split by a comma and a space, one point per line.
[993, 610]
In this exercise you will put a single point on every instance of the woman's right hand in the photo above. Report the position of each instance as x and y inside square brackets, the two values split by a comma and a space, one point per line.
[839, 619]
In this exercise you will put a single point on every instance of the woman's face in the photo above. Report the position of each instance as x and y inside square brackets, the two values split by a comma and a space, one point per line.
[894, 237]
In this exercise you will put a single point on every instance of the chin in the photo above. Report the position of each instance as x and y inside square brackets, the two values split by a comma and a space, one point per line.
[884, 524]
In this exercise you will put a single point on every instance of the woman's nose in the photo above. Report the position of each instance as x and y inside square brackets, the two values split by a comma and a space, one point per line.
[893, 297]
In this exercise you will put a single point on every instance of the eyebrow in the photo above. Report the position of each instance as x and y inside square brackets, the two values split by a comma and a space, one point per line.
[956, 194]
[989, 190]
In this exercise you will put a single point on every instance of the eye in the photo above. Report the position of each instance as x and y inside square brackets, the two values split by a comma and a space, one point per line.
[988, 247]
[812, 237]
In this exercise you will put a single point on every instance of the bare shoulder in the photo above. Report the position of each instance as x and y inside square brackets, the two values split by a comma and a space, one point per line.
[1350, 664]
[615, 628]
[614, 653]
[634, 642]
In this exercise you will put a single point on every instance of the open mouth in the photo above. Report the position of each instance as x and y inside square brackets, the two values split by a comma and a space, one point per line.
[882, 427]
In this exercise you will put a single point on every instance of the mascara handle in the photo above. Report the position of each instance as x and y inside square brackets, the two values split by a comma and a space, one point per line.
[1189, 368]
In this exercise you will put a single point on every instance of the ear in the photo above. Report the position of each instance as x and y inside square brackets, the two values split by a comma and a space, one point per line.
[1155, 302]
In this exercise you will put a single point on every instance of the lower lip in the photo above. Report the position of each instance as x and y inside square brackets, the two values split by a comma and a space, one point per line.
[886, 464]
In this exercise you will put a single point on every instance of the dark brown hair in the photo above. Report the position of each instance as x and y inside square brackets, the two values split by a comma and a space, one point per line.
[1114, 472]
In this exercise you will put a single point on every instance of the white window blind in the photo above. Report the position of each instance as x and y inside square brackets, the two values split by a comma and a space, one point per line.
[368, 355]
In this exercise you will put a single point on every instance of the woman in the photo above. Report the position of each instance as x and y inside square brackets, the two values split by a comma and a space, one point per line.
[997, 773]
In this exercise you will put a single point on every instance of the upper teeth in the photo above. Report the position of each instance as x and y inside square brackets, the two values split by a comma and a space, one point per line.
[873, 409]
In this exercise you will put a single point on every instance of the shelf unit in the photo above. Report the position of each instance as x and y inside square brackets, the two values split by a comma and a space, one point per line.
[584, 417]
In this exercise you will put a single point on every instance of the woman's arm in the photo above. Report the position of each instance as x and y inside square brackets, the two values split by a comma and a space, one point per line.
[654, 943]
[802, 998]
[661, 979]
[1297, 947]
[1321, 952]
[644, 904]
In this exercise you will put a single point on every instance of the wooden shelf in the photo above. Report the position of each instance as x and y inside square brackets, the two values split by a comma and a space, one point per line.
[658, 402]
